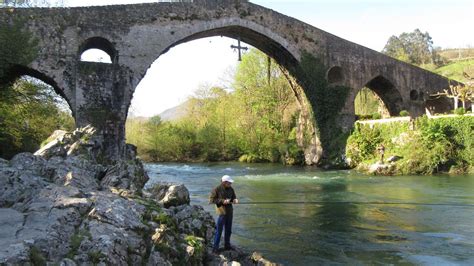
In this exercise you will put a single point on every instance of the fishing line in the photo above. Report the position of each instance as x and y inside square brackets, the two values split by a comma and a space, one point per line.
[355, 203]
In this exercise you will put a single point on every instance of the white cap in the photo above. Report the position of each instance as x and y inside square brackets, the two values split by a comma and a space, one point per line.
[227, 178]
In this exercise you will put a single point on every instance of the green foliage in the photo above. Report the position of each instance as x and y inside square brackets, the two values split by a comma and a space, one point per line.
[76, 241]
[456, 69]
[414, 47]
[436, 144]
[96, 257]
[376, 116]
[195, 242]
[460, 111]
[163, 218]
[362, 143]
[36, 258]
[367, 103]
[404, 113]
[255, 119]
[29, 113]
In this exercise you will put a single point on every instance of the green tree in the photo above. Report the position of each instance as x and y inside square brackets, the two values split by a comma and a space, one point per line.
[413, 47]
[29, 113]
[267, 103]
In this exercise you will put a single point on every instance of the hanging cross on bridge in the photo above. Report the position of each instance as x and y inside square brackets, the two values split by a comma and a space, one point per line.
[239, 48]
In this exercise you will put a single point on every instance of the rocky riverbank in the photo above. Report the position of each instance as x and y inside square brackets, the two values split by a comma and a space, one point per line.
[63, 206]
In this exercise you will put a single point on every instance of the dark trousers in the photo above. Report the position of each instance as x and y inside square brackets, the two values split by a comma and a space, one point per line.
[223, 222]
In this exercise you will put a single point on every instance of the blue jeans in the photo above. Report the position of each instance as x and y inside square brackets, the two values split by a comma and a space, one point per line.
[223, 221]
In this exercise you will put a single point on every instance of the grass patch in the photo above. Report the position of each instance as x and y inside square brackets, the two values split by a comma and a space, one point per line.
[455, 70]
[36, 258]
[96, 257]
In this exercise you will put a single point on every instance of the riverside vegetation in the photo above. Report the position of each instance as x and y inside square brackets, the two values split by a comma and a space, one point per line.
[433, 145]
[257, 122]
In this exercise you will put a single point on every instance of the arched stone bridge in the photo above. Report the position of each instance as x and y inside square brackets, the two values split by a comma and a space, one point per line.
[136, 35]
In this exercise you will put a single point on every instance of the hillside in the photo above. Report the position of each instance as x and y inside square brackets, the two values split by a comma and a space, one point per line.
[456, 69]
[457, 54]
[174, 113]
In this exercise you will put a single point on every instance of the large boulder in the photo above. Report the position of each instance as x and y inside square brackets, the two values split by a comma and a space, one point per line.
[75, 171]
[82, 141]
[169, 194]
[128, 175]
[194, 220]
[74, 158]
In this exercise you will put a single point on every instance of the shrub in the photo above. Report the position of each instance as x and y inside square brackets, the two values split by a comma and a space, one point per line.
[443, 144]
[460, 111]
[376, 116]
[404, 113]
[362, 143]
[36, 258]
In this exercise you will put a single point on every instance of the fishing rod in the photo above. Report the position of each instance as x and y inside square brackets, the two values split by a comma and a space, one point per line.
[354, 203]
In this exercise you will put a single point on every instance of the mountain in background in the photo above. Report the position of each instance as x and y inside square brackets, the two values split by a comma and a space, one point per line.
[174, 113]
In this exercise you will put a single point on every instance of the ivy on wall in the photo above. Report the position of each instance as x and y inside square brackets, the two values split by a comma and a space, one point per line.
[327, 102]
[17, 47]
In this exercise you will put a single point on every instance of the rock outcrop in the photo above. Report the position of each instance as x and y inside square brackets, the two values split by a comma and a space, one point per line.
[169, 194]
[62, 206]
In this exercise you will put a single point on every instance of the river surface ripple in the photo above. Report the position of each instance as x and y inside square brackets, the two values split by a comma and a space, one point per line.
[324, 231]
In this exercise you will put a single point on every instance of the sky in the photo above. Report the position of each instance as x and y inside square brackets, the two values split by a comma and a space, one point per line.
[210, 62]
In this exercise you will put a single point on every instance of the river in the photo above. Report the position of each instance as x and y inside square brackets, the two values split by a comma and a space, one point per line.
[335, 226]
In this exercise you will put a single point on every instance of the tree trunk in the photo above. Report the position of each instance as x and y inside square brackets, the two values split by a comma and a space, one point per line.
[456, 102]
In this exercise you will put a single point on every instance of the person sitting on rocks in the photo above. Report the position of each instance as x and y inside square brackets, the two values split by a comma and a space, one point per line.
[223, 196]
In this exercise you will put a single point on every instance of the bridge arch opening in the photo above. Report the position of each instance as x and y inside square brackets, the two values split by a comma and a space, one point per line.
[32, 108]
[279, 64]
[16, 73]
[387, 94]
[99, 50]
[368, 105]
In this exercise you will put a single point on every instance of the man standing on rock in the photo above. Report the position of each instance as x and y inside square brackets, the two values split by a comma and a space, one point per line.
[223, 196]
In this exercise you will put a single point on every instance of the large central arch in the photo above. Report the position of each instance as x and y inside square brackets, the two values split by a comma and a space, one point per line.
[285, 59]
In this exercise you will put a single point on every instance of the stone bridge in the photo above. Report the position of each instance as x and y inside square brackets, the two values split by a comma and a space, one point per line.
[136, 35]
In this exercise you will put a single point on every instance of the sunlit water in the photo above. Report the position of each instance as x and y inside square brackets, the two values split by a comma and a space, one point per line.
[326, 232]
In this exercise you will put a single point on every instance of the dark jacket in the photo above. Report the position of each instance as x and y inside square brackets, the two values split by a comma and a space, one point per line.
[219, 194]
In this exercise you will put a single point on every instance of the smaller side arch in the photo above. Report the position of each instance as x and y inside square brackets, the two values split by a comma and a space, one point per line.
[101, 44]
[388, 93]
[16, 71]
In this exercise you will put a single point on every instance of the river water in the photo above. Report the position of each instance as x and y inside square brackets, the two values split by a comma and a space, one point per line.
[335, 226]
